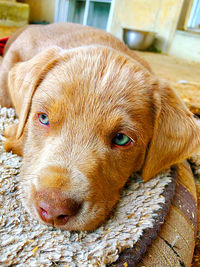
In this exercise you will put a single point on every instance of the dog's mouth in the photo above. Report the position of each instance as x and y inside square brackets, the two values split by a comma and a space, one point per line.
[88, 217]
[74, 214]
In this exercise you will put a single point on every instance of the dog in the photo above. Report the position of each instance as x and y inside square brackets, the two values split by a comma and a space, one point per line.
[91, 113]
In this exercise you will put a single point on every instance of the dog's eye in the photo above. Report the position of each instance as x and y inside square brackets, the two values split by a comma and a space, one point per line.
[43, 118]
[121, 139]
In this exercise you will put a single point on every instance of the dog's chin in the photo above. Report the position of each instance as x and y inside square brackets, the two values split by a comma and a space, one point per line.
[89, 218]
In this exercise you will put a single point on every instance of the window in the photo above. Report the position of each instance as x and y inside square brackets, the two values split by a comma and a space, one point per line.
[193, 22]
[190, 16]
[87, 12]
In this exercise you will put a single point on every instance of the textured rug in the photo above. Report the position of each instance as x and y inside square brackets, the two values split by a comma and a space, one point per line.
[25, 242]
[195, 161]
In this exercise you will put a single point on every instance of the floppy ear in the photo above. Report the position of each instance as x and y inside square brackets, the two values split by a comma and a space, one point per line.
[24, 78]
[175, 133]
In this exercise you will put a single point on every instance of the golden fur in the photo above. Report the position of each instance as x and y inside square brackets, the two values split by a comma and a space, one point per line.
[92, 87]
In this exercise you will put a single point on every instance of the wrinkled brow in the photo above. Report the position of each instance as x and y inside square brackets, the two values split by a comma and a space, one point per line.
[117, 121]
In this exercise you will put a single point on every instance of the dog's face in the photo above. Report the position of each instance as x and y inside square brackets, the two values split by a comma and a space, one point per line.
[89, 122]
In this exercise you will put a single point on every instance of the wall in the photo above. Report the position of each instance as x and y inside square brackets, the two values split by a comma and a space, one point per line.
[186, 45]
[41, 10]
[155, 15]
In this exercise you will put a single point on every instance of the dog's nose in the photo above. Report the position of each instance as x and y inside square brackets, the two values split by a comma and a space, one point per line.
[54, 208]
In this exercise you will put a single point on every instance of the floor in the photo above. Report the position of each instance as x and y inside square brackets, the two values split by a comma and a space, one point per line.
[185, 78]
[183, 75]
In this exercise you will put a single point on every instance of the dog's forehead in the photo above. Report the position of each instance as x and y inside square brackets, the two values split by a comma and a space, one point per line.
[102, 73]
[94, 86]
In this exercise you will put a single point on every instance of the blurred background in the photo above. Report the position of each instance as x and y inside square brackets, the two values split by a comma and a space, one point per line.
[176, 23]
[169, 29]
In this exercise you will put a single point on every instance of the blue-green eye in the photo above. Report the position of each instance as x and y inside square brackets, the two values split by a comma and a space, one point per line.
[43, 118]
[121, 139]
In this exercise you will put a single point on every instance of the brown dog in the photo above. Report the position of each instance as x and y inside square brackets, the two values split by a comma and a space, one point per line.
[90, 114]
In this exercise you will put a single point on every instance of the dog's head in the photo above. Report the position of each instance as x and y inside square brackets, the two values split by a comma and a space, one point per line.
[93, 116]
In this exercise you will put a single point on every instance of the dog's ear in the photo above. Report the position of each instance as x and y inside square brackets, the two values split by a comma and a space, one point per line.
[25, 77]
[175, 133]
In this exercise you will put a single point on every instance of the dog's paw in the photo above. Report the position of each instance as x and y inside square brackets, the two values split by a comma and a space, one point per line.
[11, 143]
[10, 131]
